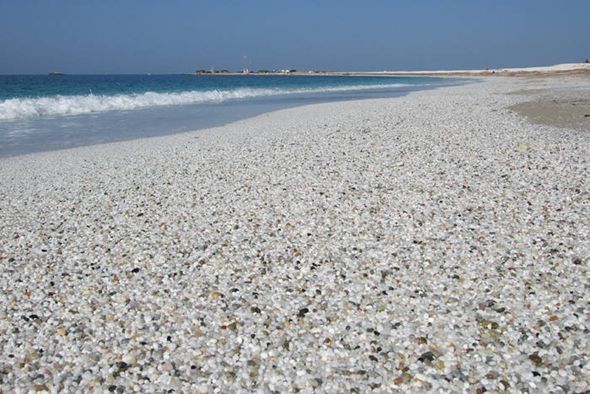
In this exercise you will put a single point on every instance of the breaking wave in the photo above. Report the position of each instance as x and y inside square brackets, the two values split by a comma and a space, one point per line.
[23, 108]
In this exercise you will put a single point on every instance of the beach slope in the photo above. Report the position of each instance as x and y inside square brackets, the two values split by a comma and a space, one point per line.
[434, 241]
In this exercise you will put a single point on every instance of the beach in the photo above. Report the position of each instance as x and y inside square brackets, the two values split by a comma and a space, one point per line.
[435, 241]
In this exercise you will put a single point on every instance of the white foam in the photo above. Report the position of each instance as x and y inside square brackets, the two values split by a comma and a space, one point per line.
[23, 108]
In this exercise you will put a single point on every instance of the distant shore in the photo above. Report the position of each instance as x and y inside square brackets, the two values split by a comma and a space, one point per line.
[556, 70]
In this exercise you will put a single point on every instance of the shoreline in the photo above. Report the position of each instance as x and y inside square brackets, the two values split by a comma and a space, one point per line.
[535, 105]
[434, 241]
[180, 119]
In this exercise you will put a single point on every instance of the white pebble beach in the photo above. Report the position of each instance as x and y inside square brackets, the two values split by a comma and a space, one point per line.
[432, 242]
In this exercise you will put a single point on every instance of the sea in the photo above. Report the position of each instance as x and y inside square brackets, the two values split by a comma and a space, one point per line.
[51, 112]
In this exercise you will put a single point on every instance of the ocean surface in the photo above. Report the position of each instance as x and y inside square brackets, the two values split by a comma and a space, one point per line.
[39, 113]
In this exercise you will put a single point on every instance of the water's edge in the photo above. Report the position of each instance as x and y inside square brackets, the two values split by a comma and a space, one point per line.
[150, 122]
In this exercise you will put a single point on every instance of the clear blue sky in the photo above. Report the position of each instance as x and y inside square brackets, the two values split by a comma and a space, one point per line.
[169, 36]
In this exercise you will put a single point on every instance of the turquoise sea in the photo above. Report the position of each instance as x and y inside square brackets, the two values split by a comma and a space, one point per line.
[42, 112]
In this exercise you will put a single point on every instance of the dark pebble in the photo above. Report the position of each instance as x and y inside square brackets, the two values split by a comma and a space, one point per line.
[122, 365]
[536, 359]
[302, 312]
[135, 270]
[427, 357]
[255, 309]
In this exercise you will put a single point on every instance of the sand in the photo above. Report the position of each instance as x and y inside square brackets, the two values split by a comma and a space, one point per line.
[437, 241]
[562, 70]
[569, 109]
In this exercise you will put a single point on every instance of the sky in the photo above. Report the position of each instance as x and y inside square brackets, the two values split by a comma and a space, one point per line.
[173, 36]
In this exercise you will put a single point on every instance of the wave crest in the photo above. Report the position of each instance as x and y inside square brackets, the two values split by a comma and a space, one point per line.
[23, 108]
